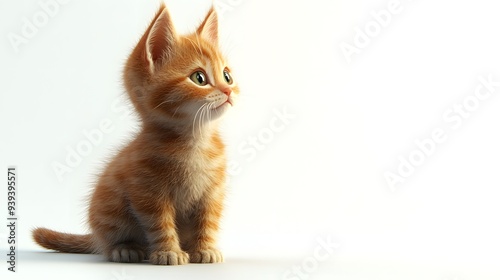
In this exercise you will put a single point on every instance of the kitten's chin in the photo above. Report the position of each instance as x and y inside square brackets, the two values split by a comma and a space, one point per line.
[218, 111]
[223, 106]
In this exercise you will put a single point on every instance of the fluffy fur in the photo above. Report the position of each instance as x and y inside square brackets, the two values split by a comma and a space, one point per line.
[161, 197]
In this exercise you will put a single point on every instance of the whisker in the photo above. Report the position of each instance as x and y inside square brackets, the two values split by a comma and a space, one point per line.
[175, 112]
[202, 117]
[194, 120]
[164, 102]
[212, 106]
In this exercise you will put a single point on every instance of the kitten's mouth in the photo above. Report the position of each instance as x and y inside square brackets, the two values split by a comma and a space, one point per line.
[228, 102]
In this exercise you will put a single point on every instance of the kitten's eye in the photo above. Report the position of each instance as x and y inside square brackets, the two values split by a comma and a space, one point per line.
[199, 78]
[228, 77]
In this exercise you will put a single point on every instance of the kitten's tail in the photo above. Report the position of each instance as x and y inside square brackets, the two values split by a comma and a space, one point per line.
[63, 242]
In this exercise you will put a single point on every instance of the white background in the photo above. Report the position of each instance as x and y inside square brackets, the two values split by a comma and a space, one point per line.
[319, 176]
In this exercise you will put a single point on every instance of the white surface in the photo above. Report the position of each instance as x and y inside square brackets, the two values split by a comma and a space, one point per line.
[64, 266]
[320, 174]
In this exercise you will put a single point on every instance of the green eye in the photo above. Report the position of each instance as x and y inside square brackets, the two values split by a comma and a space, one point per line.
[228, 77]
[199, 78]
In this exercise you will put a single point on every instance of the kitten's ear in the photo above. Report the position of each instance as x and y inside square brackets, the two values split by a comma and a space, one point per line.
[209, 28]
[161, 39]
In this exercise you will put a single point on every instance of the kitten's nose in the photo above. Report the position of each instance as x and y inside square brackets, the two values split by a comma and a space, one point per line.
[226, 90]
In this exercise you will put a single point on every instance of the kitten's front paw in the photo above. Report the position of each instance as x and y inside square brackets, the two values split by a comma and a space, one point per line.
[176, 257]
[206, 256]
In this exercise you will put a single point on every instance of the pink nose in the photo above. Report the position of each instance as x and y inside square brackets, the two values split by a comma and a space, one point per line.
[227, 91]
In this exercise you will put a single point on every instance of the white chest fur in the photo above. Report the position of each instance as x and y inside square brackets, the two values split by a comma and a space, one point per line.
[200, 176]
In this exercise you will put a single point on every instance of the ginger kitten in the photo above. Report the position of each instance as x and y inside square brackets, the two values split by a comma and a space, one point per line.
[161, 197]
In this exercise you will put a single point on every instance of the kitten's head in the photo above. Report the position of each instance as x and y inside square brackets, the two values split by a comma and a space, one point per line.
[179, 81]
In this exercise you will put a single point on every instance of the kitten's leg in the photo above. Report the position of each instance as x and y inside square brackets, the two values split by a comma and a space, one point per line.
[159, 224]
[115, 231]
[117, 234]
[206, 225]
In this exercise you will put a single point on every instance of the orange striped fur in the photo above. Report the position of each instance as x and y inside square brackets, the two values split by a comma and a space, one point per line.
[161, 197]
